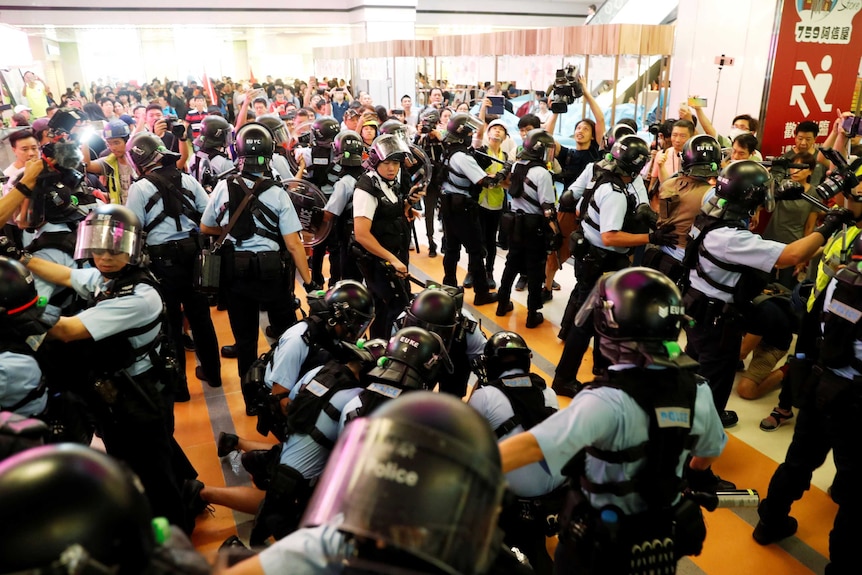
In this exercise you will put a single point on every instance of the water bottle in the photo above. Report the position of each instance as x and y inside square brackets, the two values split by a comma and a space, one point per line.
[610, 516]
[235, 461]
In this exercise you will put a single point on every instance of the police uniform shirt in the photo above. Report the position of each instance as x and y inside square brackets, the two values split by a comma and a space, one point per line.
[733, 246]
[281, 168]
[845, 372]
[476, 339]
[19, 374]
[217, 213]
[381, 387]
[613, 207]
[538, 185]
[532, 480]
[302, 453]
[342, 193]
[288, 358]
[44, 288]
[309, 551]
[585, 181]
[609, 419]
[365, 205]
[166, 231]
[220, 164]
[464, 164]
[118, 314]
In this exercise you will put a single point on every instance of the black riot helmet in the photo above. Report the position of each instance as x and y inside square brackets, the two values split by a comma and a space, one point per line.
[254, 147]
[350, 306]
[216, 133]
[629, 155]
[435, 310]
[743, 186]
[460, 128]
[418, 485]
[324, 129]
[386, 147]
[429, 119]
[64, 502]
[615, 133]
[348, 148]
[148, 152]
[506, 350]
[276, 127]
[539, 145]
[701, 156]
[113, 228]
[396, 128]
[636, 310]
[20, 305]
[376, 347]
[413, 359]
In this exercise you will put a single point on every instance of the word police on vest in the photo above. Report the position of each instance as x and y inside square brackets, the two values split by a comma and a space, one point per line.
[391, 472]
[673, 416]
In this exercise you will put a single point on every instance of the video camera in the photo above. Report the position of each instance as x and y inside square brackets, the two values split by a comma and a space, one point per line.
[843, 179]
[852, 126]
[174, 125]
[566, 89]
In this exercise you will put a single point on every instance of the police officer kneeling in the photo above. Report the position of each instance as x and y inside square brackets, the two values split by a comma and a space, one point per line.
[627, 479]
[414, 488]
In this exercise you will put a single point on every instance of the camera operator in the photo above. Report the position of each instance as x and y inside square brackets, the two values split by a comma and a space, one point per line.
[430, 138]
[170, 130]
[805, 135]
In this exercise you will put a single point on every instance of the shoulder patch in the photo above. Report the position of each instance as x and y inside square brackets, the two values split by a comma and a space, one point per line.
[317, 388]
[520, 381]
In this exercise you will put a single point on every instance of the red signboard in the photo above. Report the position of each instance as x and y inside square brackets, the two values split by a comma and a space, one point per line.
[816, 61]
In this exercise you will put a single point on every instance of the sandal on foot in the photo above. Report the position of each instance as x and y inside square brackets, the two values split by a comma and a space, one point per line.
[774, 420]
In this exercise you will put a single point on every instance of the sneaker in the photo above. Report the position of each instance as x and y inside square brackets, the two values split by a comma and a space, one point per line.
[504, 309]
[227, 443]
[468, 281]
[555, 286]
[484, 299]
[765, 534]
[229, 351]
[534, 319]
[547, 295]
[492, 283]
[567, 388]
[188, 342]
[706, 480]
[728, 418]
[521, 285]
[774, 420]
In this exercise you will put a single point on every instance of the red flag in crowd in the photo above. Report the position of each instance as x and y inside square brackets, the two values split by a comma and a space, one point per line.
[209, 90]
[251, 78]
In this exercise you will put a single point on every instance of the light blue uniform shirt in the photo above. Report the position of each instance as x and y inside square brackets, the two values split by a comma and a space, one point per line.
[463, 164]
[217, 213]
[115, 315]
[531, 480]
[288, 358]
[585, 180]
[44, 288]
[613, 207]
[311, 551]
[19, 374]
[540, 189]
[609, 419]
[140, 194]
[342, 193]
[281, 168]
[303, 453]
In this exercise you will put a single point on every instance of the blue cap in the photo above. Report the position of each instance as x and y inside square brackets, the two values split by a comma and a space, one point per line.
[128, 119]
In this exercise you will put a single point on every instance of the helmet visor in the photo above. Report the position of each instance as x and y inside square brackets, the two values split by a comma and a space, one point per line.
[593, 302]
[446, 332]
[98, 236]
[391, 147]
[357, 323]
[418, 490]
[769, 199]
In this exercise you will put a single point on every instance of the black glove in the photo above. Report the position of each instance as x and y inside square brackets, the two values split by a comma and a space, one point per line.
[789, 190]
[9, 249]
[664, 236]
[646, 215]
[310, 287]
[834, 220]
[316, 219]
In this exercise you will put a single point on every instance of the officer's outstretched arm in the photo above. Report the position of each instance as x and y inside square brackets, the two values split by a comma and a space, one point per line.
[620, 239]
[69, 329]
[520, 450]
[51, 272]
[297, 253]
[701, 463]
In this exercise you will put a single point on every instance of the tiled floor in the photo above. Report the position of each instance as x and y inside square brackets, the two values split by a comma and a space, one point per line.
[749, 460]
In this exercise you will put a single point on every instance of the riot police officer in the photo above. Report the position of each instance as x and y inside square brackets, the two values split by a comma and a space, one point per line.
[611, 225]
[626, 476]
[727, 266]
[459, 209]
[132, 372]
[169, 204]
[531, 223]
[315, 161]
[21, 389]
[280, 166]
[211, 159]
[427, 449]
[381, 203]
[514, 400]
[347, 153]
[413, 361]
[107, 523]
[680, 198]
[440, 309]
[264, 243]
